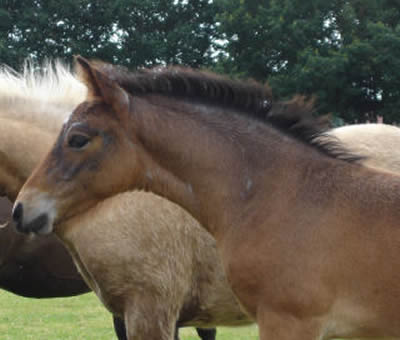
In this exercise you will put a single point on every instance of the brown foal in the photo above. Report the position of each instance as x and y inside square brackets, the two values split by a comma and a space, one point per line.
[309, 239]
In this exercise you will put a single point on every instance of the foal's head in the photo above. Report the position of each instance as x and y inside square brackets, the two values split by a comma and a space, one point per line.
[91, 149]
[100, 150]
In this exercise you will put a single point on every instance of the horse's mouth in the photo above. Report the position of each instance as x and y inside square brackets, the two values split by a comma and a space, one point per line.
[39, 225]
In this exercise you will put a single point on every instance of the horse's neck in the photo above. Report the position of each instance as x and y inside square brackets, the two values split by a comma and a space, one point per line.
[22, 145]
[206, 164]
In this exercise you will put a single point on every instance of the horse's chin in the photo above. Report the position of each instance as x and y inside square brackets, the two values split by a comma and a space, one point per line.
[46, 230]
[42, 225]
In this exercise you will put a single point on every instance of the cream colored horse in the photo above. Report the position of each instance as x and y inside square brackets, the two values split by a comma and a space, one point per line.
[168, 266]
[379, 143]
[33, 107]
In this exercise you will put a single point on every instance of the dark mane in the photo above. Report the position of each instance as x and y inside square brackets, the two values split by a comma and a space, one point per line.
[294, 117]
[248, 96]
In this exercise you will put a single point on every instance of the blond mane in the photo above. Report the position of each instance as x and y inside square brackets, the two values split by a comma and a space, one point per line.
[43, 95]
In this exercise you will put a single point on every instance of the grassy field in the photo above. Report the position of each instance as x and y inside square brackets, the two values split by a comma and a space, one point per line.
[77, 318]
[80, 317]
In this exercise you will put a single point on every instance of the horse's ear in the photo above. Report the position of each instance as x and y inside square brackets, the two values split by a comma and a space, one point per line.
[101, 86]
[85, 72]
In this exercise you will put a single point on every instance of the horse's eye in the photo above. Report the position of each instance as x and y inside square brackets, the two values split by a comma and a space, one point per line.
[78, 141]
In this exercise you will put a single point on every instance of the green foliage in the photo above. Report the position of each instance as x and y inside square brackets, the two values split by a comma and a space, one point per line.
[130, 32]
[347, 53]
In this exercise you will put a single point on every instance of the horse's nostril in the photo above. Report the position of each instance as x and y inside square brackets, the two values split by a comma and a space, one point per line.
[17, 213]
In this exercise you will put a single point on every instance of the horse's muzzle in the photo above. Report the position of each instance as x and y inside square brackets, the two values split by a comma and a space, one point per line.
[35, 226]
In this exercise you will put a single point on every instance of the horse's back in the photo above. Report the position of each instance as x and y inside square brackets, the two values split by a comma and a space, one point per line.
[378, 143]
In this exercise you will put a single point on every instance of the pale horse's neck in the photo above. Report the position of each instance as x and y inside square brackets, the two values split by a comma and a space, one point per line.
[204, 162]
[22, 146]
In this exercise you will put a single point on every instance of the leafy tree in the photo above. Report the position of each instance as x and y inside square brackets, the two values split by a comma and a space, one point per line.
[129, 32]
[346, 52]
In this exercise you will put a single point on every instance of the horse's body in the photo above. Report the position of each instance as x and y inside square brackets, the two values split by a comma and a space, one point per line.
[377, 142]
[149, 259]
[310, 242]
[144, 277]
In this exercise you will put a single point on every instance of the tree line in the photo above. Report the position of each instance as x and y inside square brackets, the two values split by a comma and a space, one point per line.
[344, 52]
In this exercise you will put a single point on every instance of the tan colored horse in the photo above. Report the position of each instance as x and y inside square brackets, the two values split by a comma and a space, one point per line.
[150, 263]
[165, 274]
[310, 241]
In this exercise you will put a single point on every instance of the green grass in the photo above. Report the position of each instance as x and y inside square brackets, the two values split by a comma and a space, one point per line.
[80, 317]
[224, 333]
[77, 318]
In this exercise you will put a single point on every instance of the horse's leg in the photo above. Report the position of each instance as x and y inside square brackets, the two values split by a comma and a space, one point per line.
[176, 337]
[119, 328]
[204, 333]
[149, 320]
[207, 333]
